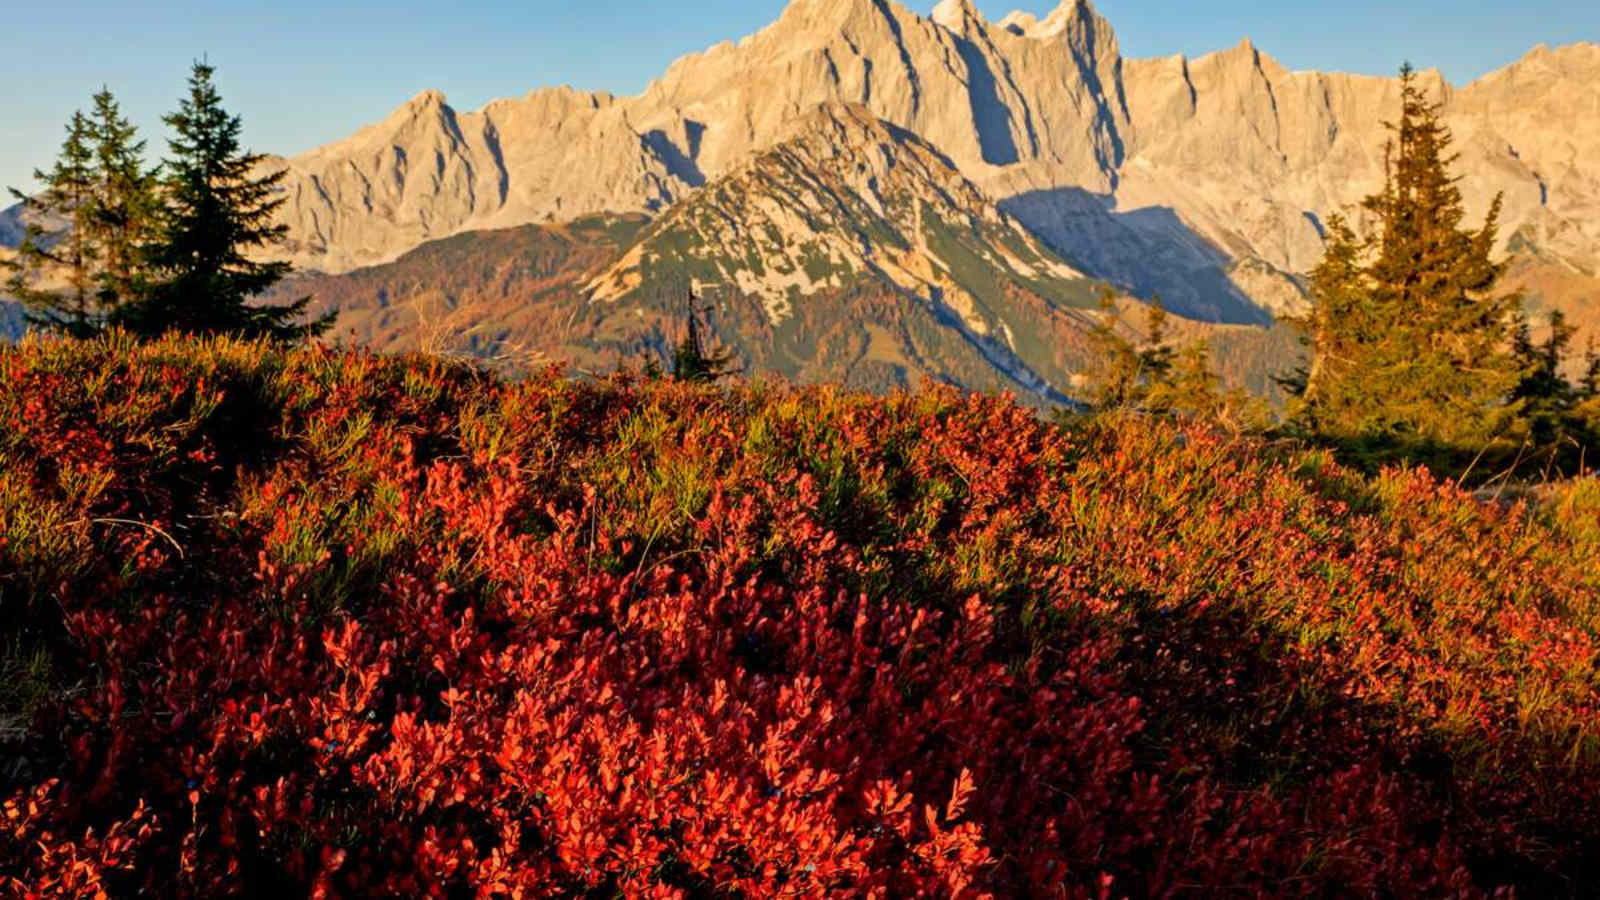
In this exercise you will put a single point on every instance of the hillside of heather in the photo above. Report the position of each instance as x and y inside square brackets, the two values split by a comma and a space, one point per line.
[289, 622]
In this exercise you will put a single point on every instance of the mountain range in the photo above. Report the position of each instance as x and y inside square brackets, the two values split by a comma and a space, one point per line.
[978, 177]
[851, 251]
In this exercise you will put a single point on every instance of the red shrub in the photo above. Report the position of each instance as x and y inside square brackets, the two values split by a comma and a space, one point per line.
[338, 624]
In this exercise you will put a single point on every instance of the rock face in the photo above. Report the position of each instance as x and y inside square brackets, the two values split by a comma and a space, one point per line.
[12, 228]
[14, 223]
[1203, 180]
[427, 172]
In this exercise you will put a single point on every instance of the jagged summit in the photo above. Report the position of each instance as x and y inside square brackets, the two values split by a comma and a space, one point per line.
[956, 14]
[1018, 22]
[824, 14]
[1204, 180]
[845, 130]
[1069, 16]
[426, 99]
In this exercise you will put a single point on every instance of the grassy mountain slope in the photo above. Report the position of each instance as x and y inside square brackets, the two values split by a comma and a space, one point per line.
[493, 294]
[324, 622]
[850, 205]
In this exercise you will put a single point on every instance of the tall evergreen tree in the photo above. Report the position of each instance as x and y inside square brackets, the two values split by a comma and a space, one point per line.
[59, 245]
[1338, 323]
[218, 215]
[1409, 341]
[1547, 398]
[126, 203]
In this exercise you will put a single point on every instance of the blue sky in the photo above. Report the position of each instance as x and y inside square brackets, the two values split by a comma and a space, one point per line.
[303, 72]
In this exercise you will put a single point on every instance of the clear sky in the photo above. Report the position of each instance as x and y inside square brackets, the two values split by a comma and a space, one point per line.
[304, 72]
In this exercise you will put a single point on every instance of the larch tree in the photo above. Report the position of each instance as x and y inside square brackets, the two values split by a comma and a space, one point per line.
[1193, 391]
[1123, 374]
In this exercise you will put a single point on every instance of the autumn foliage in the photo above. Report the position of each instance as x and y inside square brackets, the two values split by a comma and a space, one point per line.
[328, 623]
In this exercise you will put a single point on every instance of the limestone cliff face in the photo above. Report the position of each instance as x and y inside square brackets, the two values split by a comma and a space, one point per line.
[1205, 180]
[428, 171]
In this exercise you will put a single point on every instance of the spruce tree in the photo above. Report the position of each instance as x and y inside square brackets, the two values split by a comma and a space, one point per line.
[1156, 357]
[1339, 322]
[59, 244]
[1410, 344]
[1547, 398]
[1192, 390]
[218, 216]
[1555, 415]
[1157, 378]
[694, 360]
[126, 203]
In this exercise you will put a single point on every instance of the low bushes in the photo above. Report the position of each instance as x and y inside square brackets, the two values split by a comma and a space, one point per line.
[321, 621]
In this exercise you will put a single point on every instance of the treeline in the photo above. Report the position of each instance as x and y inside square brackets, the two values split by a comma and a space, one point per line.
[114, 243]
[1414, 351]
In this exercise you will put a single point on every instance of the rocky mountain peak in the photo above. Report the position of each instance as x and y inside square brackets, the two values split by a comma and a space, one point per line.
[1567, 63]
[1018, 22]
[824, 16]
[845, 196]
[957, 15]
[846, 129]
[424, 100]
[1206, 180]
[1077, 20]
